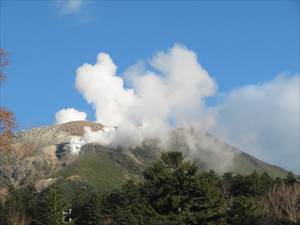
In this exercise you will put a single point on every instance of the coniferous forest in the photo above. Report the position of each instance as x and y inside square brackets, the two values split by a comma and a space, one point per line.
[173, 191]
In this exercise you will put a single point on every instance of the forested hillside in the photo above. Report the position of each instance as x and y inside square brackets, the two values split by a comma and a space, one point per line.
[172, 191]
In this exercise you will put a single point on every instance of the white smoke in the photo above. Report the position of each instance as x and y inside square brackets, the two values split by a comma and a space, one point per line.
[69, 114]
[171, 93]
[102, 88]
[75, 144]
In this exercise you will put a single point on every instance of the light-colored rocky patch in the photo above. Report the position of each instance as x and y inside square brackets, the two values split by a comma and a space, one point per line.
[43, 184]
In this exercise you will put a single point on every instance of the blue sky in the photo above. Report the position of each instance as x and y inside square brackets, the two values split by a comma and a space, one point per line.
[237, 42]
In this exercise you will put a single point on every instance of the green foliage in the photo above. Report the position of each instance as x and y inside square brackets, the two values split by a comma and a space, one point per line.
[19, 202]
[243, 211]
[168, 183]
[96, 169]
[51, 207]
[91, 211]
[244, 164]
[172, 192]
[128, 206]
[266, 181]
[290, 178]
[80, 198]
[251, 185]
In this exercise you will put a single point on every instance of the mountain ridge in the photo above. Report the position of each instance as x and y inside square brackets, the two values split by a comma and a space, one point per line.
[41, 155]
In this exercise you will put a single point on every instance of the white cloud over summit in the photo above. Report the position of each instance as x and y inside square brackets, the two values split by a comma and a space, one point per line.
[69, 114]
[170, 91]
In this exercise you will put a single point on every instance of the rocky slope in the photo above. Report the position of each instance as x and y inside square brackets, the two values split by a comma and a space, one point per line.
[43, 155]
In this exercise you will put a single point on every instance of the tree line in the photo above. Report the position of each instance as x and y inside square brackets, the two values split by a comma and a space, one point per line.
[173, 191]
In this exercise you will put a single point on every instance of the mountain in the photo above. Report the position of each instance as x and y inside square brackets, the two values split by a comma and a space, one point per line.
[43, 155]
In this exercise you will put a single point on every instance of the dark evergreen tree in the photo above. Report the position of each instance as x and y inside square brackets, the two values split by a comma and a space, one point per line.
[174, 189]
[78, 202]
[172, 192]
[251, 185]
[128, 206]
[267, 182]
[243, 211]
[91, 211]
[290, 178]
[227, 179]
[51, 207]
[208, 205]
[166, 183]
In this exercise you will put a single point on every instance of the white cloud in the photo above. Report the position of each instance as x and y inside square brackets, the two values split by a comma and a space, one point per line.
[263, 120]
[70, 6]
[69, 114]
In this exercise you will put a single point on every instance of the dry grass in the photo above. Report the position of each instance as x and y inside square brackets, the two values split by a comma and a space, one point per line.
[282, 203]
[77, 127]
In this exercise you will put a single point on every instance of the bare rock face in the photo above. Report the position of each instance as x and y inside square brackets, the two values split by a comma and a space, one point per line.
[21, 172]
[38, 153]
[55, 134]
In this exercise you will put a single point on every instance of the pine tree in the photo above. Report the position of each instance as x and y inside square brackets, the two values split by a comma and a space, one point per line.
[243, 211]
[80, 197]
[128, 206]
[267, 182]
[51, 207]
[175, 190]
[91, 212]
[251, 185]
[290, 178]
[208, 204]
[166, 183]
